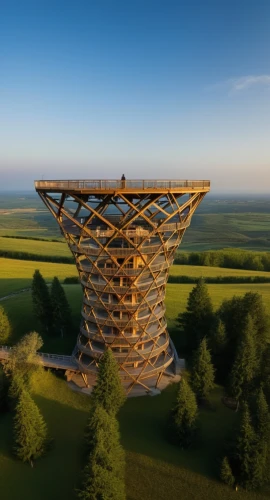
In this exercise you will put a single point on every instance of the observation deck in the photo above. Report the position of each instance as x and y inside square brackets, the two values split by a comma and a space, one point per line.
[127, 186]
[124, 235]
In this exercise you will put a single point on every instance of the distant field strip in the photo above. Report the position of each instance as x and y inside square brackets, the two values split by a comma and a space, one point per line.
[17, 274]
[35, 247]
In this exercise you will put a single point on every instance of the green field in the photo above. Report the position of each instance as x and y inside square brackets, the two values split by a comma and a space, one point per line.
[17, 274]
[155, 469]
[35, 247]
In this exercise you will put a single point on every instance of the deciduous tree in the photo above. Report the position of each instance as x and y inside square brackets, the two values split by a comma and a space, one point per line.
[5, 328]
[23, 360]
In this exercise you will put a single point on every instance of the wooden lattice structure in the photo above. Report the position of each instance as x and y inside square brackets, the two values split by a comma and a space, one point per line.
[123, 235]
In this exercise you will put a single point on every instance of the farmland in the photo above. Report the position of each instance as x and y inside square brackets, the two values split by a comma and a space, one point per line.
[220, 221]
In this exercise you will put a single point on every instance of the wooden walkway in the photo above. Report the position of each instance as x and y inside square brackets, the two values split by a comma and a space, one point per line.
[58, 361]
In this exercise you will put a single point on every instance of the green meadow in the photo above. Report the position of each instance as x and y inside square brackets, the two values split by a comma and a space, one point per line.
[155, 469]
[36, 247]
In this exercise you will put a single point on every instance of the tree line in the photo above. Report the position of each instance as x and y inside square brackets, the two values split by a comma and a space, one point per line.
[229, 258]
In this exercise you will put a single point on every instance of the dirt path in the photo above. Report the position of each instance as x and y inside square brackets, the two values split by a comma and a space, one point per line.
[14, 294]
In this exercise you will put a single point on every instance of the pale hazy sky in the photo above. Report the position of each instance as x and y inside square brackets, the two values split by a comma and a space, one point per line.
[154, 89]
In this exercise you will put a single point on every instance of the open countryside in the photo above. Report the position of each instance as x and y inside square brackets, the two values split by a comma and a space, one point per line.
[148, 453]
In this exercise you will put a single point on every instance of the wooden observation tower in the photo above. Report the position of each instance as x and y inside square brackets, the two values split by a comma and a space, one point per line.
[123, 235]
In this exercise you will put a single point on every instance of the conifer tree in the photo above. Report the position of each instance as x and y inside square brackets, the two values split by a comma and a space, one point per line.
[30, 432]
[5, 328]
[261, 416]
[198, 319]
[245, 365]
[61, 312]
[103, 476]
[234, 313]
[217, 344]
[41, 302]
[261, 452]
[245, 447]
[108, 391]
[183, 419]
[226, 474]
[202, 372]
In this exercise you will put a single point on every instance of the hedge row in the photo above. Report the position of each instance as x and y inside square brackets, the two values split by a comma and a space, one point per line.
[228, 258]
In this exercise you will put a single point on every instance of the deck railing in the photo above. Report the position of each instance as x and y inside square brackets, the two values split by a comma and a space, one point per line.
[119, 184]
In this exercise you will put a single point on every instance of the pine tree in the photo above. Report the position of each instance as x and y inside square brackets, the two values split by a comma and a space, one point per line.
[61, 312]
[226, 474]
[183, 418]
[108, 391]
[254, 306]
[202, 372]
[41, 301]
[261, 416]
[104, 472]
[217, 344]
[245, 447]
[30, 432]
[234, 313]
[5, 328]
[245, 365]
[198, 319]
[261, 452]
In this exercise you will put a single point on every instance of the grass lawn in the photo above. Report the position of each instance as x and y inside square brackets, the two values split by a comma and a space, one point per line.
[17, 274]
[155, 470]
[51, 248]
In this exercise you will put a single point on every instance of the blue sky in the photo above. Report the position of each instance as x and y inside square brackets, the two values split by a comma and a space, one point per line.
[154, 89]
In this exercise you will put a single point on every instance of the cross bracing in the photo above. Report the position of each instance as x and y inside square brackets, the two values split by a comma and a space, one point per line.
[124, 240]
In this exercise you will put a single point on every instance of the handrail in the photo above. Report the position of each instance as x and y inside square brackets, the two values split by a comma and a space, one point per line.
[136, 184]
